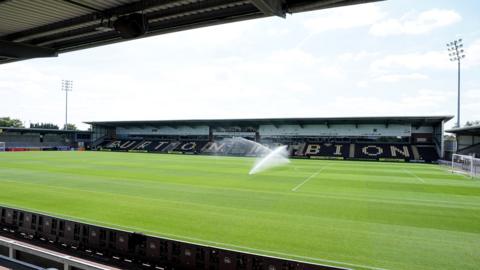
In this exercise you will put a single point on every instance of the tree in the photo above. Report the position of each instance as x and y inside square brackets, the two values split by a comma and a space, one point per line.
[448, 137]
[472, 123]
[70, 127]
[10, 122]
[44, 125]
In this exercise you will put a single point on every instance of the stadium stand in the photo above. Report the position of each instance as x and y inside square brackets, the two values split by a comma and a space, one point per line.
[415, 139]
[468, 140]
[358, 151]
[427, 153]
[25, 237]
[23, 139]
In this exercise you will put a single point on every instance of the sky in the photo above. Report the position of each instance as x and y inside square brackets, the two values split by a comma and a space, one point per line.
[383, 59]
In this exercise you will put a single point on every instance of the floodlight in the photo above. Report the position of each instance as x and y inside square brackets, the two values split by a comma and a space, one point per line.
[456, 54]
[67, 86]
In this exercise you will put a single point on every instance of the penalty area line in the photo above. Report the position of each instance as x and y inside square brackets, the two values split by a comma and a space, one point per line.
[308, 179]
[414, 175]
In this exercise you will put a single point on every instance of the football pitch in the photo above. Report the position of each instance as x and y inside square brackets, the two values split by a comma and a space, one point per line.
[361, 215]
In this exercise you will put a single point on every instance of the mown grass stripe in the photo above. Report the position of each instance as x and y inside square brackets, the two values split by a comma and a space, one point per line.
[362, 214]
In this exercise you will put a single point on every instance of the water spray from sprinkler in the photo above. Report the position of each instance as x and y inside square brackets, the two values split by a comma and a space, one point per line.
[277, 157]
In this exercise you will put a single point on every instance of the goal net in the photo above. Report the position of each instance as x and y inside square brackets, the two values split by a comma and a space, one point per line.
[466, 164]
[2, 146]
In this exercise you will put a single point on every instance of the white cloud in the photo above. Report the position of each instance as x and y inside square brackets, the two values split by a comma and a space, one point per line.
[217, 35]
[247, 69]
[362, 84]
[415, 24]
[470, 104]
[371, 15]
[218, 87]
[345, 18]
[293, 56]
[426, 60]
[393, 78]
[356, 56]
[298, 87]
[413, 61]
[422, 102]
[473, 54]
[277, 32]
[332, 72]
[473, 94]
[426, 98]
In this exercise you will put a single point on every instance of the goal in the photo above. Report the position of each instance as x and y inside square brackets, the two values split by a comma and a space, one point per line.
[466, 164]
[2, 146]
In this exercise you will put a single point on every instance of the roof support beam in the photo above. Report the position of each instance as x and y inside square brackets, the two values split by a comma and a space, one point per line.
[216, 16]
[271, 7]
[161, 16]
[307, 5]
[89, 18]
[82, 5]
[24, 51]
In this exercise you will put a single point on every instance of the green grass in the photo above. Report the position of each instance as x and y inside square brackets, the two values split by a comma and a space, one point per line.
[354, 214]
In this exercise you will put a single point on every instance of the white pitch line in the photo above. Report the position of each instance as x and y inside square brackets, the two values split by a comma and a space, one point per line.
[308, 178]
[414, 175]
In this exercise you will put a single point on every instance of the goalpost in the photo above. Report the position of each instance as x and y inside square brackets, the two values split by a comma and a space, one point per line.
[2, 147]
[466, 164]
